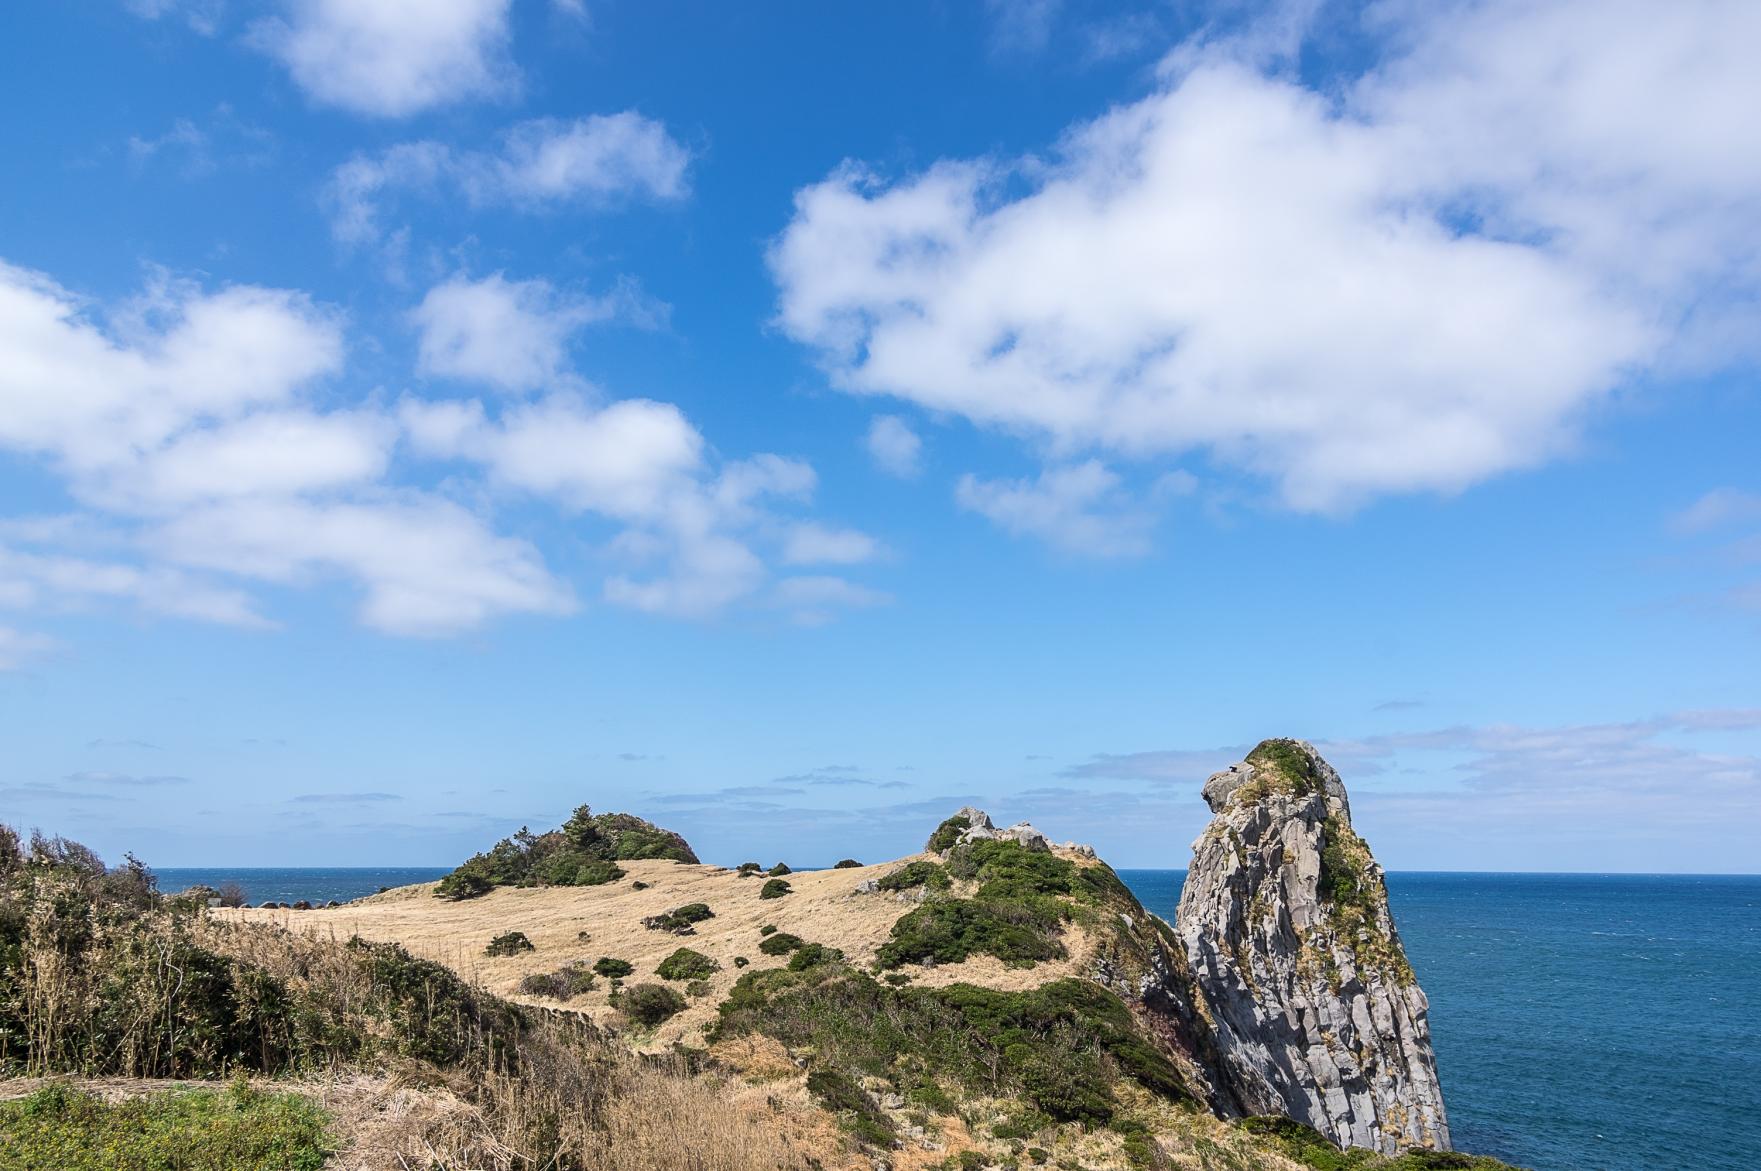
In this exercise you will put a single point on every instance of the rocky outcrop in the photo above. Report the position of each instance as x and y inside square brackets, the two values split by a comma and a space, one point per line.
[1296, 967]
[974, 825]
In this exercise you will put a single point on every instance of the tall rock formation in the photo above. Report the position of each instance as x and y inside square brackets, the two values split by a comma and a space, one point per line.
[1296, 965]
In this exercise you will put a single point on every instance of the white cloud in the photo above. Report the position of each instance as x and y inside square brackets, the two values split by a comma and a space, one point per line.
[203, 16]
[815, 544]
[1078, 508]
[598, 161]
[393, 58]
[180, 422]
[428, 567]
[894, 446]
[513, 335]
[177, 357]
[18, 647]
[688, 534]
[813, 600]
[1428, 281]
[1717, 509]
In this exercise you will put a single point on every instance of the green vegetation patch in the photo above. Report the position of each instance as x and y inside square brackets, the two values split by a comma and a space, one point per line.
[846, 864]
[856, 1109]
[649, 1005]
[950, 931]
[1352, 892]
[1306, 1145]
[686, 964]
[1063, 1046]
[236, 1129]
[946, 834]
[584, 852]
[509, 944]
[679, 918]
[915, 874]
[775, 888]
[1022, 898]
[613, 968]
[1280, 767]
[566, 983]
[811, 954]
[780, 869]
[780, 943]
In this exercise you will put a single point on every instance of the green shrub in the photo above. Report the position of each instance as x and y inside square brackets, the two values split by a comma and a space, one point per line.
[697, 989]
[613, 968]
[947, 833]
[767, 929]
[847, 864]
[948, 932]
[747, 869]
[916, 874]
[775, 888]
[780, 869]
[237, 1129]
[686, 964]
[810, 955]
[581, 853]
[649, 1005]
[781, 943]
[857, 1111]
[679, 918]
[511, 943]
[565, 983]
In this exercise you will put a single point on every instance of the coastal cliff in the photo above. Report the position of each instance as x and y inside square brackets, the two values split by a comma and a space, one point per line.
[1295, 962]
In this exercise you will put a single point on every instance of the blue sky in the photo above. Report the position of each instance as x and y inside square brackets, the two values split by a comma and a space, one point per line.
[791, 422]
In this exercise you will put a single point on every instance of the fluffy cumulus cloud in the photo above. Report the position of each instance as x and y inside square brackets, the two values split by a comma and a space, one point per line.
[189, 427]
[184, 423]
[1078, 508]
[895, 448]
[1433, 275]
[392, 58]
[597, 161]
[512, 335]
[689, 537]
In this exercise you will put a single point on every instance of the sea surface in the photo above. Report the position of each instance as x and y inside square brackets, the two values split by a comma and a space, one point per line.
[1581, 1022]
[1584, 1022]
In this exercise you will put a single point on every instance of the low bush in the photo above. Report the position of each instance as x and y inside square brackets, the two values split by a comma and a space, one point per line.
[782, 943]
[236, 1129]
[613, 968]
[565, 983]
[810, 955]
[856, 1109]
[847, 864]
[508, 944]
[916, 874]
[686, 964]
[775, 888]
[949, 931]
[649, 1005]
[946, 834]
[584, 852]
[767, 929]
[679, 919]
[780, 869]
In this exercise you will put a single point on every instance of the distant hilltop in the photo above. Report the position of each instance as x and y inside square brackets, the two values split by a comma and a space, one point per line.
[998, 997]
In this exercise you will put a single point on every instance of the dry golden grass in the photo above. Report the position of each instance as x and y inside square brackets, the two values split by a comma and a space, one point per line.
[824, 908]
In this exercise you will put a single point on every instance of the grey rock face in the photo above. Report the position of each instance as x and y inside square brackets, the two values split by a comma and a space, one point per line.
[982, 829]
[1296, 965]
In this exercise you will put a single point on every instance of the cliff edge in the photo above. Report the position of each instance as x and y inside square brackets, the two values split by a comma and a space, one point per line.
[1296, 964]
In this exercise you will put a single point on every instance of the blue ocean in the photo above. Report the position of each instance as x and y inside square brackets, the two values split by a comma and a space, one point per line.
[1582, 1022]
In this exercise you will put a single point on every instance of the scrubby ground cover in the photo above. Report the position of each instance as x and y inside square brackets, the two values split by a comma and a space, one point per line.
[235, 1129]
[584, 852]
